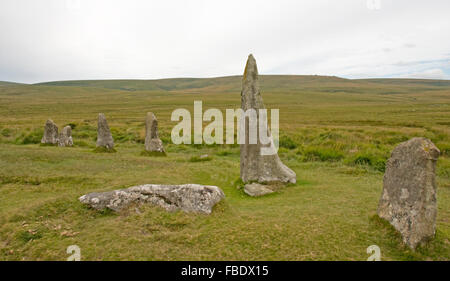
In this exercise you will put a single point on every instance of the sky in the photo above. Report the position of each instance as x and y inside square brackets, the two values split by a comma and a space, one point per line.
[50, 40]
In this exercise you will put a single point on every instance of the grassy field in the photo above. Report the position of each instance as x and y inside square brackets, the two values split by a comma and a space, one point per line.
[336, 134]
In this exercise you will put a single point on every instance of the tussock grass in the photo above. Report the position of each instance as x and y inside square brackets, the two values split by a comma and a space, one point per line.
[34, 136]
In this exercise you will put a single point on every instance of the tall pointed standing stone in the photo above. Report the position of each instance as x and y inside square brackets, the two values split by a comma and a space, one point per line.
[152, 141]
[104, 137]
[65, 138]
[254, 166]
[409, 200]
[50, 133]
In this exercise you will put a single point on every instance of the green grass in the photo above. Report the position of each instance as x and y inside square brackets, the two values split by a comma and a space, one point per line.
[201, 158]
[101, 149]
[313, 153]
[153, 153]
[336, 134]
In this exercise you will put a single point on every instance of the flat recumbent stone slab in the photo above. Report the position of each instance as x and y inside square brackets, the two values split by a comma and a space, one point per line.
[187, 197]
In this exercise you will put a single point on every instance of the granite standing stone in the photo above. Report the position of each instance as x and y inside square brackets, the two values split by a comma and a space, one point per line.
[65, 138]
[408, 200]
[104, 137]
[50, 133]
[152, 141]
[254, 166]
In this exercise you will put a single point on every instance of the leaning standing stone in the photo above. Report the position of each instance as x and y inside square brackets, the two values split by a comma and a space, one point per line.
[152, 141]
[65, 138]
[50, 133]
[256, 167]
[104, 137]
[408, 200]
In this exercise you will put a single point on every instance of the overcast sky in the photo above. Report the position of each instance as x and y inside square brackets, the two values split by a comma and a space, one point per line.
[50, 40]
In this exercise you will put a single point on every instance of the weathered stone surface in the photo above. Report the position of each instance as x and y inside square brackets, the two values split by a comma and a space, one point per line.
[50, 133]
[65, 138]
[187, 197]
[254, 166]
[152, 141]
[408, 200]
[104, 137]
[256, 189]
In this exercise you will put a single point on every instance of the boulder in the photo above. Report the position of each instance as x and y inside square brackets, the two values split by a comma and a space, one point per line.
[104, 137]
[256, 189]
[256, 167]
[187, 197]
[152, 141]
[408, 200]
[65, 138]
[50, 133]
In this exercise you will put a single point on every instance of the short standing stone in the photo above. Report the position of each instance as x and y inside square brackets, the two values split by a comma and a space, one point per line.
[104, 137]
[65, 138]
[256, 167]
[408, 200]
[50, 133]
[152, 141]
[187, 197]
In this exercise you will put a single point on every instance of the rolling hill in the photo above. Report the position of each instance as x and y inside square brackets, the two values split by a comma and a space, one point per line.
[268, 83]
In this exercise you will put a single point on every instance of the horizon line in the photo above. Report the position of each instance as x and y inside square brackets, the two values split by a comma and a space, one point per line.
[215, 77]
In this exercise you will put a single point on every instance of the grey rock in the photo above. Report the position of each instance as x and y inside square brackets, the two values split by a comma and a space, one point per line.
[187, 197]
[65, 138]
[104, 137]
[256, 189]
[408, 200]
[50, 133]
[254, 166]
[152, 141]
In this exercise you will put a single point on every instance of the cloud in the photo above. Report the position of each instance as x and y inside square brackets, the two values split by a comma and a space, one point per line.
[108, 39]
[409, 45]
[435, 73]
